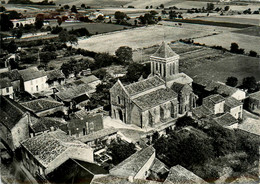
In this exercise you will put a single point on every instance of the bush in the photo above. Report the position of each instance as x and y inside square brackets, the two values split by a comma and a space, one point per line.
[252, 53]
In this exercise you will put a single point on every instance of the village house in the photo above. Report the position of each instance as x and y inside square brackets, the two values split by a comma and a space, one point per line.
[6, 88]
[91, 123]
[136, 166]
[33, 80]
[179, 174]
[14, 122]
[23, 22]
[215, 103]
[14, 77]
[55, 78]
[234, 107]
[253, 102]
[227, 120]
[44, 106]
[91, 80]
[157, 99]
[42, 154]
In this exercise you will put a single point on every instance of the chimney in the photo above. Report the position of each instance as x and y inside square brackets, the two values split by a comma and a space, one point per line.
[52, 129]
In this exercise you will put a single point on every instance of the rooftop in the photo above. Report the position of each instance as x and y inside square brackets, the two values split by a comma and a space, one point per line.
[10, 112]
[255, 95]
[232, 102]
[221, 88]
[5, 82]
[158, 166]
[81, 98]
[98, 134]
[201, 81]
[45, 123]
[55, 75]
[201, 111]
[48, 146]
[132, 165]
[32, 73]
[179, 174]
[216, 98]
[226, 120]
[154, 98]
[42, 104]
[144, 85]
[89, 79]
[13, 75]
[164, 51]
[180, 78]
[177, 87]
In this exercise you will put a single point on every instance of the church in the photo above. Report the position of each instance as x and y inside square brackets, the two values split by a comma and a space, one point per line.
[160, 98]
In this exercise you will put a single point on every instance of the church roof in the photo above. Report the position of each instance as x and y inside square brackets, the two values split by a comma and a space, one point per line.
[164, 51]
[144, 85]
[154, 98]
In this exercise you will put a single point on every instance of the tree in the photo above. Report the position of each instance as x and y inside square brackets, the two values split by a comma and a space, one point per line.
[135, 71]
[231, 81]
[210, 6]
[100, 17]
[235, 48]
[120, 150]
[74, 9]
[155, 136]
[59, 21]
[38, 24]
[5, 23]
[252, 53]
[124, 53]
[172, 14]
[185, 121]
[73, 40]
[226, 8]
[83, 5]
[161, 5]
[250, 84]
[147, 7]
[120, 16]
[2, 9]
[66, 7]
[11, 47]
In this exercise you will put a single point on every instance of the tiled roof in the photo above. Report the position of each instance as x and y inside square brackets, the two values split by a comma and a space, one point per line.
[216, 98]
[144, 85]
[89, 79]
[32, 73]
[255, 95]
[10, 112]
[42, 104]
[164, 51]
[75, 170]
[180, 78]
[154, 98]
[68, 93]
[48, 146]
[158, 166]
[81, 98]
[55, 75]
[98, 134]
[5, 82]
[45, 123]
[201, 81]
[13, 75]
[221, 88]
[201, 111]
[132, 165]
[179, 174]
[232, 102]
[226, 120]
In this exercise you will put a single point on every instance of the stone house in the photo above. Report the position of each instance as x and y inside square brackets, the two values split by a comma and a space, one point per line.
[14, 123]
[159, 98]
[6, 88]
[33, 80]
[253, 102]
[234, 107]
[14, 77]
[44, 153]
[55, 77]
[227, 120]
[44, 106]
[215, 103]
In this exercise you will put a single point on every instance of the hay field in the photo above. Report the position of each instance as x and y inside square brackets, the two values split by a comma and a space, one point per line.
[225, 39]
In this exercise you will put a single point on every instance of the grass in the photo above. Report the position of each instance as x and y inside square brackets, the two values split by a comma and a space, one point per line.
[251, 31]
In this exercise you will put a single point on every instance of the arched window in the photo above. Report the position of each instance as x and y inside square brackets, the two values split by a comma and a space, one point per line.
[118, 100]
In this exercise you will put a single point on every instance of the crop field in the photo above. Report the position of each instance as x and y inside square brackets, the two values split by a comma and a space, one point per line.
[230, 65]
[251, 31]
[253, 20]
[93, 28]
[225, 39]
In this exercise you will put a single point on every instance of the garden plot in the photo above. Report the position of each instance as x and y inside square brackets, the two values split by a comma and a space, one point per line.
[139, 38]
[225, 39]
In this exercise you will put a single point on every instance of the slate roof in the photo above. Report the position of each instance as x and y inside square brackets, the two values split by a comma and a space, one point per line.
[180, 175]
[41, 104]
[32, 73]
[48, 146]
[164, 51]
[144, 85]
[13, 75]
[255, 95]
[10, 112]
[45, 123]
[232, 102]
[5, 82]
[154, 98]
[201, 111]
[75, 171]
[226, 120]
[55, 75]
[132, 165]
[98, 134]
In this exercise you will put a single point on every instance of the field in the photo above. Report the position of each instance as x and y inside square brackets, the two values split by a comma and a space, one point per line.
[225, 39]
[93, 28]
[251, 31]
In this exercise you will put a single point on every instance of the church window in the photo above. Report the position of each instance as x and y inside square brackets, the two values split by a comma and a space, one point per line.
[118, 100]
